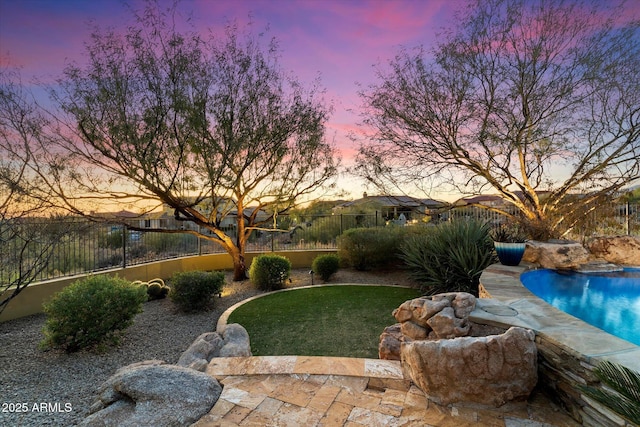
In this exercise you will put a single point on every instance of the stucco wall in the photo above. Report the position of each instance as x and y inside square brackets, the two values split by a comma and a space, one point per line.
[30, 300]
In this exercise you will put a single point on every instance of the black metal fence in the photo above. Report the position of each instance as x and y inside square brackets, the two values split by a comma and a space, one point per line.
[76, 246]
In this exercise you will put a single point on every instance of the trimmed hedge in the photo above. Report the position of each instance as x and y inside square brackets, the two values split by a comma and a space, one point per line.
[325, 265]
[193, 290]
[269, 272]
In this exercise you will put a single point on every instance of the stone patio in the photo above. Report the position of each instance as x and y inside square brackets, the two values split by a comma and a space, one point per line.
[329, 391]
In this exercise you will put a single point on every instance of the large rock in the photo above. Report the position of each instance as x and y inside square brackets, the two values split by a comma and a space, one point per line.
[438, 316]
[556, 255]
[236, 341]
[390, 341]
[489, 370]
[623, 250]
[152, 393]
[232, 341]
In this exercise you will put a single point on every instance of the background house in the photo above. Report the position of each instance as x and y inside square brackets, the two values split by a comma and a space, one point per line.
[393, 207]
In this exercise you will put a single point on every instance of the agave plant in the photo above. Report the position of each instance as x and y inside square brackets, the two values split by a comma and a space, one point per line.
[449, 257]
[624, 396]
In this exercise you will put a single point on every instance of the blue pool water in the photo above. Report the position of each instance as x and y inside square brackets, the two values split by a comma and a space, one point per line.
[609, 301]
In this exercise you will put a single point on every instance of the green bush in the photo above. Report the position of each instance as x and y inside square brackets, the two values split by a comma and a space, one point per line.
[449, 257]
[368, 248]
[91, 312]
[269, 272]
[193, 290]
[325, 265]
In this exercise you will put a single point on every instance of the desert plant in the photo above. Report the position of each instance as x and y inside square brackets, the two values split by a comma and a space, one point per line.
[91, 312]
[155, 288]
[325, 265]
[450, 257]
[269, 272]
[368, 248]
[193, 290]
[623, 394]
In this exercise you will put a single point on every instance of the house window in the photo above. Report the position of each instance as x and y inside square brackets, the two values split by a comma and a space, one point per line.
[147, 223]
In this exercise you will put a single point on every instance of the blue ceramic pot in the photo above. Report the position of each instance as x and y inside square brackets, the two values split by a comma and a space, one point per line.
[509, 253]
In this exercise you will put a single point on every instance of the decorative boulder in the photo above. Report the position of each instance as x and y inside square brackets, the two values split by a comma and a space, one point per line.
[232, 341]
[236, 341]
[489, 370]
[151, 393]
[623, 250]
[556, 255]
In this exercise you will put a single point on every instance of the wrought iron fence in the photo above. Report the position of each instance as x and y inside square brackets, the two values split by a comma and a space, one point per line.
[74, 246]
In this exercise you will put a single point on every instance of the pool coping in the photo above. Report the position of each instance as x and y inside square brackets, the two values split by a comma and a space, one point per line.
[502, 292]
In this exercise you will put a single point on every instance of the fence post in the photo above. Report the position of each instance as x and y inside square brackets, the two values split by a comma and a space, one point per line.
[124, 246]
[341, 231]
[628, 219]
[376, 218]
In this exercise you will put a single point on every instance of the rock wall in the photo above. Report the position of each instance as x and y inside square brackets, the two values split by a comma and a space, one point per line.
[454, 360]
[562, 372]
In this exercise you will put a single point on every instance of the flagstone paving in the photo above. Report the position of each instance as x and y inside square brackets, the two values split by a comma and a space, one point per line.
[329, 391]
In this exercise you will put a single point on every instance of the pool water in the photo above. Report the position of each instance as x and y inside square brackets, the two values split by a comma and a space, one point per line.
[609, 301]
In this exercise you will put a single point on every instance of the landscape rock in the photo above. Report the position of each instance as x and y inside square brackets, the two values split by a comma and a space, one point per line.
[488, 370]
[390, 340]
[556, 255]
[232, 341]
[201, 351]
[236, 341]
[445, 324]
[438, 316]
[152, 393]
[623, 250]
[414, 331]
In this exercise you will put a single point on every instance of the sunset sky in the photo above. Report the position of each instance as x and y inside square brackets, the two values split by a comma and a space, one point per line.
[338, 40]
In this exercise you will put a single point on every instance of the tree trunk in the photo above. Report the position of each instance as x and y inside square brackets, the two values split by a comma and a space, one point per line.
[239, 267]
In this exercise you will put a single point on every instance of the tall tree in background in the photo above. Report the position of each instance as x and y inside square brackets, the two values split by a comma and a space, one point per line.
[538, 101]
[209, 128]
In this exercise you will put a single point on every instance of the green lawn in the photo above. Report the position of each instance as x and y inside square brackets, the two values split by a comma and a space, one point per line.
[341, 320]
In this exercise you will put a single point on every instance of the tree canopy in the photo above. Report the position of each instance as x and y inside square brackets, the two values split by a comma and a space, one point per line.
[26, 246]
[208, 127]
[537, 101]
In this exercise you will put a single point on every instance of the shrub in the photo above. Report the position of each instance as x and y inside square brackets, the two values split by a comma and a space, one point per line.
[450, 257]
[368, 248]
[192, 290]
[91, 312]
[325, 265]
[269, 272]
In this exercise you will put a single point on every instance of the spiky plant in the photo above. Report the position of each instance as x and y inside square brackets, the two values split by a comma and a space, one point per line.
[624, 396]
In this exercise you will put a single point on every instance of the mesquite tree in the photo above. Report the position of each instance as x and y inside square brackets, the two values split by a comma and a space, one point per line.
[28, 234]
[538, 101]
[208, 127]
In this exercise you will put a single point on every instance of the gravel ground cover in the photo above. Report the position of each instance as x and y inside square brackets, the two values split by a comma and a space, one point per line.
[51, 388]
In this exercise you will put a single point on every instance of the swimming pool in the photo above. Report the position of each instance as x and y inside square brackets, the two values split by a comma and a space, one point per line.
[609, 301]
